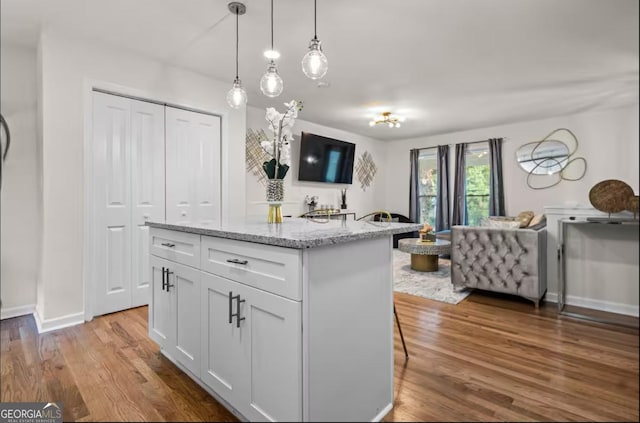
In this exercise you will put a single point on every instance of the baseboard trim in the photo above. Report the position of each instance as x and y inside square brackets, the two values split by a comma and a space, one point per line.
[611, 307]
[58, 322]
[9, 312]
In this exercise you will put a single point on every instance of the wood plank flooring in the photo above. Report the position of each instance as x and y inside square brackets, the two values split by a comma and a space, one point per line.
[489, 358]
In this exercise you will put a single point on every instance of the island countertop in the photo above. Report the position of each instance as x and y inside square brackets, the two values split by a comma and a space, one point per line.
[294, 232]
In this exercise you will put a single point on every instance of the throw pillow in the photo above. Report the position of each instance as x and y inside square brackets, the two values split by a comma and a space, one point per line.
[524, 218]
[538, 221]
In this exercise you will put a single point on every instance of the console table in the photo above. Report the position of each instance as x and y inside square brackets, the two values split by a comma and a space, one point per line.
[563, 224]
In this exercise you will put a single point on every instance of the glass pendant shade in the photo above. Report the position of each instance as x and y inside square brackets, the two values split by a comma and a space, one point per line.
[314, 63]
[237, 96]
[271, 84]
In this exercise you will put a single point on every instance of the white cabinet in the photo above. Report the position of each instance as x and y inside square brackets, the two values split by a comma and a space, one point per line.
[283, 334]
[174, 314]
[252, 349]
[193, 167]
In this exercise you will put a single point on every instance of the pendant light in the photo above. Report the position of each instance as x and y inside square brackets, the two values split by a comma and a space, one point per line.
[237, 96]
[271, 84]
[314, 63]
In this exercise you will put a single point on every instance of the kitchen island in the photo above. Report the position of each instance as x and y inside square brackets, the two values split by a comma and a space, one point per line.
[290, 321]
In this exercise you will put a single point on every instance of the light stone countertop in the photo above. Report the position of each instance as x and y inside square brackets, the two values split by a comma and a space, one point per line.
[295, 232]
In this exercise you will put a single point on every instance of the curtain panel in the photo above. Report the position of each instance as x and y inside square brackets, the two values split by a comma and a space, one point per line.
[496, 189]
[414, 204]
[459, 215]
[442, 194]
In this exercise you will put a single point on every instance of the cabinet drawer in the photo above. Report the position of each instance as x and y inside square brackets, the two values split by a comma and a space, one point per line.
[272, 269]
[176, 246]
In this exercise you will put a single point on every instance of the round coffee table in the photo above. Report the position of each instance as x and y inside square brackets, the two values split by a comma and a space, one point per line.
[424, 255]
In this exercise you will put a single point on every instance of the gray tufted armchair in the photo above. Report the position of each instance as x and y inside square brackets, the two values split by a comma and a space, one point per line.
[511, 261]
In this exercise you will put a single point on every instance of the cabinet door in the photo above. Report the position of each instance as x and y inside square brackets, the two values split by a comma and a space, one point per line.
[147, 189]
[272, 352]
[192, 166]
[184, 289]
[161, 313]
[222, 367]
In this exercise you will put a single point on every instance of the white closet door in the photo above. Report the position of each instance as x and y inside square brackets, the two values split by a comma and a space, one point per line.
[147, 184]
[112, 202]
[193, 167]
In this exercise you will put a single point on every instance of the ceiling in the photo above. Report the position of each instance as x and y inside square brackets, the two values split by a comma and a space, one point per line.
[446, 65]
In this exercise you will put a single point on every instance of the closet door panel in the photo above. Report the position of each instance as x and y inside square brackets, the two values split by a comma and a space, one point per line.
[192, 166]
[111, 189]
[147, 184]
[207, 136]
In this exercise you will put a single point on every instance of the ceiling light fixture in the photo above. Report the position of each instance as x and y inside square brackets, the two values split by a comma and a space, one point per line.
[271, 84]
[314, 63]
[386, 118]
[237, 96]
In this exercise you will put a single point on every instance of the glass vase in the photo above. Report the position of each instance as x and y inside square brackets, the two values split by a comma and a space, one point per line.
[275, 196]
[275, 190]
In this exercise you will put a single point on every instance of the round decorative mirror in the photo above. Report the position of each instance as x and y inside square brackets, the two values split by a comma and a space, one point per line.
[543, 158]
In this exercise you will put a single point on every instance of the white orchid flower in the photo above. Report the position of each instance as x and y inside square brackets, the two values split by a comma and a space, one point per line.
[267, 146]
[286, 133]
[272, 115]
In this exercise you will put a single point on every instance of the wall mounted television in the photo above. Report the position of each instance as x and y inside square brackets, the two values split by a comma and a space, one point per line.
[325, 159]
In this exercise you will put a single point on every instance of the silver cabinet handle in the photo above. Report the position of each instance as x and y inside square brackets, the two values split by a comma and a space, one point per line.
[236, 261]
[238, 318]
[168, 244]
[237, 313]
[168, 284]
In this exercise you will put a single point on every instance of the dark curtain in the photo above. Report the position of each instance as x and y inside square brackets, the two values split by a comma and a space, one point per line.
[414, 204]
[459, 216]
[442, 199]
[496, 189]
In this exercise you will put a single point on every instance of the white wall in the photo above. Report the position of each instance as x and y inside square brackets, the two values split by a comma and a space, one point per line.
[69, 68]
[608, 141]
[358, 200]
[19, 209]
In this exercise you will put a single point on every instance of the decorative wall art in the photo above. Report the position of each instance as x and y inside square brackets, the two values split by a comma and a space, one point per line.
[255, 155]
[613, 196]
[551, 160]
[366, 170]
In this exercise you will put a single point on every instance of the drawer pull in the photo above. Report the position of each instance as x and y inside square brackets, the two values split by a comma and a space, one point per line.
[236, 261]
[168, 244]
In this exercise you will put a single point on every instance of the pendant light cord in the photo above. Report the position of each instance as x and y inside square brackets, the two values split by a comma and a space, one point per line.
[315, 20]
[271, 25]
[237, 42]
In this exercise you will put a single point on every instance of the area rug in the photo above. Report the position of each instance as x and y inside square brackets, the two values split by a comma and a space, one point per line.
[433, 285]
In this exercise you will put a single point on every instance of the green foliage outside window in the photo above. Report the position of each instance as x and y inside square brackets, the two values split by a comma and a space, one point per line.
[477, 193]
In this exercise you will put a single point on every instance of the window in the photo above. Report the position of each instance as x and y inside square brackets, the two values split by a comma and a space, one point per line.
[428, 184]
[477, 183]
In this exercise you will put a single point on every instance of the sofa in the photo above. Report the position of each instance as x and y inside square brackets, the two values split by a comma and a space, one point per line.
[510, 261]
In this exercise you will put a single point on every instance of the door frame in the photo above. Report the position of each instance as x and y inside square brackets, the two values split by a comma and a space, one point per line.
[88, 238]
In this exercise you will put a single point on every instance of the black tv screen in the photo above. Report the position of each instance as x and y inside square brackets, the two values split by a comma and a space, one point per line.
[325, 159]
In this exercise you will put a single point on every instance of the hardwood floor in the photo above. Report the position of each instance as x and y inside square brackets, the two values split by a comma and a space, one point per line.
[488, 358]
